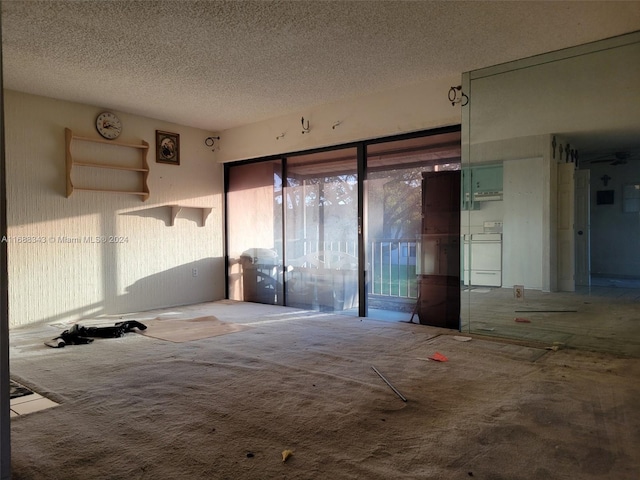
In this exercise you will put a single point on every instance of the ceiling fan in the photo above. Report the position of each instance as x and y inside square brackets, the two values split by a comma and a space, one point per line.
[616, 158]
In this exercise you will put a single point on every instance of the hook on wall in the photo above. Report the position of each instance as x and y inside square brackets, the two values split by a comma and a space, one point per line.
[307, 128]
[281, 135]
[210, 141]
[456, 95]
[339, 122]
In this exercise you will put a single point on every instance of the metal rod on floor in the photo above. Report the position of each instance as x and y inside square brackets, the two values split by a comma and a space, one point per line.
[388, 383]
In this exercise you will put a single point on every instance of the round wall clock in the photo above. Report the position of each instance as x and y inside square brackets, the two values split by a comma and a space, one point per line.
[108, 125]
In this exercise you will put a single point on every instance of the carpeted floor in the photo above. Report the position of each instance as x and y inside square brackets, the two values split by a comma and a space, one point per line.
[225, 407]
[188, 329]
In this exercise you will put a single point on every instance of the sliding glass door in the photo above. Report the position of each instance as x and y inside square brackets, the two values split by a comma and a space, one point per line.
[254, 232]
[394, 199]
[321, 225]
[337, 230]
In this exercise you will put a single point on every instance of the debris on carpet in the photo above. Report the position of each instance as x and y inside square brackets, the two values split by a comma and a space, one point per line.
[438, 357]
[522, 320]
[461, 339]
[286, 454]
[79, 335]
[17, 390]
[395, 390]
[556, 346]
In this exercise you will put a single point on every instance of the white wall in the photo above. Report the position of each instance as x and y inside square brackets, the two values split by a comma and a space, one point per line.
[53, 280]
[415, 107]
[522, 241]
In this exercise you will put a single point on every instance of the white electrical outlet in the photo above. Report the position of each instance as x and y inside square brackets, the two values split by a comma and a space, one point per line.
[518, 292]
[194, 272]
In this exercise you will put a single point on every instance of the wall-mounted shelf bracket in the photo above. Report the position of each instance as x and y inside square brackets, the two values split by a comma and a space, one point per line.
[176, 209]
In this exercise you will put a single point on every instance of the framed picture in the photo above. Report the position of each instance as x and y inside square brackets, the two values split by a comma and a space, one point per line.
[605, 197]
[167, 147]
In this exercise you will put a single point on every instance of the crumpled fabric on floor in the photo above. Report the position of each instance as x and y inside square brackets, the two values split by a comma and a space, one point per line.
[79, 335]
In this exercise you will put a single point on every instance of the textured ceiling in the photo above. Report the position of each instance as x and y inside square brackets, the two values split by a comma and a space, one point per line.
[221, 64]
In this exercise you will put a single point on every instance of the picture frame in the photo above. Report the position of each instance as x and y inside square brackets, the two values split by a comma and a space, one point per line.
[167, 147]
[605, 197]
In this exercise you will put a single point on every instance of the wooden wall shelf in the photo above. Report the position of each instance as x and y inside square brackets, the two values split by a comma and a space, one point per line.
[176, 209]
[142, 169]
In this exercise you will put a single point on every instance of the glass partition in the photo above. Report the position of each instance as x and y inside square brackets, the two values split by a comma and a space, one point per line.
[551, 223]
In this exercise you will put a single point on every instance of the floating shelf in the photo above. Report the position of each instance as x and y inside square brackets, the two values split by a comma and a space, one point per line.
[176, 209]
[142, 170]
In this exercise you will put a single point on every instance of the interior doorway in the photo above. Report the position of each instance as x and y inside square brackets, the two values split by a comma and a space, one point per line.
[582, 229]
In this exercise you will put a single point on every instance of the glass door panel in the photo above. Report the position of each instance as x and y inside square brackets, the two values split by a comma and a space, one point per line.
[394, 212]
[321, 249]
[254, 232]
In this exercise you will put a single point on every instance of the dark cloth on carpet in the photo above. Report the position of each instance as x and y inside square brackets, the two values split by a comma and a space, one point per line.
[79, 335]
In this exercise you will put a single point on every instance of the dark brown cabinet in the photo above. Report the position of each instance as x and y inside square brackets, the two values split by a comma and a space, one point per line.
[439, 268]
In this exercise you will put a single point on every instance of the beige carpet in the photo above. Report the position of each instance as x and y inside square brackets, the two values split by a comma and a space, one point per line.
[181, 330]
[134, 408]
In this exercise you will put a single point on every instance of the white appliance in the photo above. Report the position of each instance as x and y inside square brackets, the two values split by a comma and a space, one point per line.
[485, 260]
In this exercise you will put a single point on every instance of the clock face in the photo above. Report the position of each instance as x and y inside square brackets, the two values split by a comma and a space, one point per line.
[108, 125]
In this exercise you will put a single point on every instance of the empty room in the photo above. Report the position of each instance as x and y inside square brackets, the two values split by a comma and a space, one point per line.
[320, 239]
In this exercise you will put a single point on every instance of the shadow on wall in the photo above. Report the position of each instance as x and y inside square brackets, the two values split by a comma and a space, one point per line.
[193, 282]
[189, 283]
